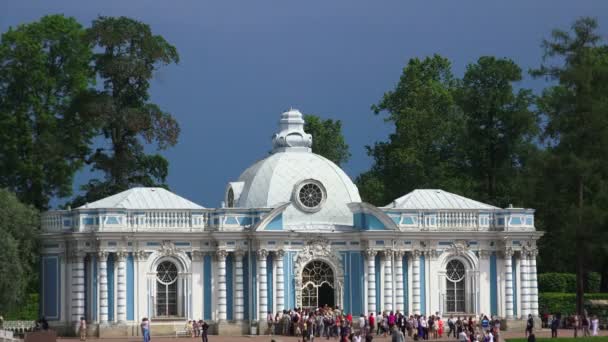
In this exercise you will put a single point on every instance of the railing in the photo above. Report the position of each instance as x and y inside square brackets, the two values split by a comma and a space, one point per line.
[19, 327]
[165, 219]
[458, 219]
[52, 220]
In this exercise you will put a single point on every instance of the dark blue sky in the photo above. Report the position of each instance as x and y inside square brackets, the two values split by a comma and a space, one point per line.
[243, 63]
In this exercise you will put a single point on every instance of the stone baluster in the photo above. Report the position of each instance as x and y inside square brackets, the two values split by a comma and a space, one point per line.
[371, 280]
[221, 279]
[102, 261]
[399, 296]
[280, 306]
[239, 297]
[508, 283]
[263, 285]
[388, 280]
[416, 282]
[121, 288]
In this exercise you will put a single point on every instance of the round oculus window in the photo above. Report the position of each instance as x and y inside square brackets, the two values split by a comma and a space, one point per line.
[310, 195]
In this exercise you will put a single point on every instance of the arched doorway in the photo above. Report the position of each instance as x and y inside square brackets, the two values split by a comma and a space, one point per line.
[166, 289]
[455, 292]
[318, 285]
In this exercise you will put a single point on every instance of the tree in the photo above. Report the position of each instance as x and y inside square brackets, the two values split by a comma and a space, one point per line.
[500, 127]
[423, 150]
[43, 67]
[18, 250]
[576, 135]
[127, 56]
[327, 138]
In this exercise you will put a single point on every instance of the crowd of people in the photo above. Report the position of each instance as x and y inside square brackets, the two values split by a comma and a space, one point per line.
[584, 324]
[327, 322]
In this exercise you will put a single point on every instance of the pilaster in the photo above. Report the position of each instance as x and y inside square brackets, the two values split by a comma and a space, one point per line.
[388, 280]
[221, 278]
[121, 281]
[102, 262]
[416, 281]
[399, 281]
[280, 305]
[239, 298]
[371, 280]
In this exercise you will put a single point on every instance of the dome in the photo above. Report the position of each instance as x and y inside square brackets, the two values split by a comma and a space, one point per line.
[317, 188]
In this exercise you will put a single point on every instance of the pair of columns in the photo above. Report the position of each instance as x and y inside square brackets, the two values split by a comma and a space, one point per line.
[528, 280]
[239, 304]
[389, 256]
[121, 288]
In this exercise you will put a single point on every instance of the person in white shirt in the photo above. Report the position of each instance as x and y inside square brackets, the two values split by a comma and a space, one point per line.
[595, 325]
[462, 337]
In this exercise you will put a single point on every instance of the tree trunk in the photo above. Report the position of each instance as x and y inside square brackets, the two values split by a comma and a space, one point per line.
[580, 255]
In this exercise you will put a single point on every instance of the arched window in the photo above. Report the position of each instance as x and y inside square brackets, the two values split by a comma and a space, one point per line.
[166, 289]
[318, 285]
[455, 286]
[230, 198]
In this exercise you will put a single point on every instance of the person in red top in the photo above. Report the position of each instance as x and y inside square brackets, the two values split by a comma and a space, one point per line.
[349, 318]
[371, 322]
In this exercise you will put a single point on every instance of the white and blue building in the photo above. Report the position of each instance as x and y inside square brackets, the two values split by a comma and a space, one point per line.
[292, 232]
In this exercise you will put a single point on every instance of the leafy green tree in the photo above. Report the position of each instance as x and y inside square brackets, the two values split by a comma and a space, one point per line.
[19, 229]
[576, 169]
[43, 141]
[423, 151]
[127, 55]
[327, 138]
[500, 127]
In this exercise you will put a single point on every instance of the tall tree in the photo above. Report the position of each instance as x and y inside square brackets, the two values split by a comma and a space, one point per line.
[18, 250]
[576, 133]
[327, 138]
[43, 67]
[423, 150]
[500, 127]
[127, 56]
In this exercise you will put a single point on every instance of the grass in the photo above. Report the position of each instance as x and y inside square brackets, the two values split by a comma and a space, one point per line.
[564, 339]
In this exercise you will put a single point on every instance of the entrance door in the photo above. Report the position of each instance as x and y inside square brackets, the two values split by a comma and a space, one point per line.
[455, 286]
[317, 285]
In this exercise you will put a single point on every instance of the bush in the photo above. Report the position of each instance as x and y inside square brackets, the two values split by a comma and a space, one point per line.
[566, 282]
[28, 311]
[564, 303]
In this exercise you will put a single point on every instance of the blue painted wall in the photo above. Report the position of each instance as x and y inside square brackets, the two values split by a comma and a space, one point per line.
[406, 296]
[269, 277]
[51, 287]
[276, 223]
[422, 285]
[514, 276]
[367, 222]
[130, 288]
[246, 285]
[110, 265]
[229, 287]
[254, 288]
[207, 287]
[290, 291]
[94, 258]
[87, 276]
[353, 263]
[378, 273]
[493, 285]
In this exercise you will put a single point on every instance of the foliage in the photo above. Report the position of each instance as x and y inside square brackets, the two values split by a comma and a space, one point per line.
[327, 138]
[572, 189]
[19, 229]
[43, 67]
[564, 303]
[499, 129]
[422, 152]
[27, 312]
[566, 282]
[127, 55]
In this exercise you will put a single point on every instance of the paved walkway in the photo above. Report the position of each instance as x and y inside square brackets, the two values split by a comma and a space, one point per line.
[213, 338]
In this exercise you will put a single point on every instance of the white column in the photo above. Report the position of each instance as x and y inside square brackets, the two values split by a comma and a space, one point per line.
[239, 296]
[221, 281]
[280, 305]
[197, 284]
[371, 281]
[416, 282]
[483, 282]
[533, 283]
[388, 280]
[263, 285]
[78, 282]
[524, 284]
[121, 291]
[399, 282]
[508, 283]
[102, 262]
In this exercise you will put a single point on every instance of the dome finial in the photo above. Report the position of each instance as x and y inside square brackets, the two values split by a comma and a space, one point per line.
[291, 135]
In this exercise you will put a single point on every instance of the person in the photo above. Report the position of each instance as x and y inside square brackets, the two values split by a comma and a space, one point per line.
[397, 335]
[585, 325]
[575, 324]
[357, 337]
[485, 323]
[44, 323]
[82, 329]
[204, 334]
[361, 323]
[531, 337]
[145, 329]
[529, 325]
[270, 323]
[554, 326]
[194, 328]
[595, 325]
[440, 325]
[451, 327]
[462, 336]
[490, 336]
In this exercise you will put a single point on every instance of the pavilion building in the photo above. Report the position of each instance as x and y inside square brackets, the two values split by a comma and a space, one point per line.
[292, 233]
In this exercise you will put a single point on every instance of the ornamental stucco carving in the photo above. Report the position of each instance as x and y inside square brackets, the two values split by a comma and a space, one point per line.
[458, 247]
[167, 248]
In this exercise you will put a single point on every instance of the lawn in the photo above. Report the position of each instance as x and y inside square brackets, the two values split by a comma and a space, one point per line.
[564, 339]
